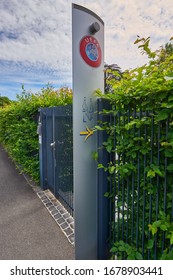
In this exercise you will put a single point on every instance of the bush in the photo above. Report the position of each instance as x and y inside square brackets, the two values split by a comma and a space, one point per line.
[18, 125]
[140, 147]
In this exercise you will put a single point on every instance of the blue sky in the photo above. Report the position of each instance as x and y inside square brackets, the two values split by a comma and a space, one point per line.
[35, 38]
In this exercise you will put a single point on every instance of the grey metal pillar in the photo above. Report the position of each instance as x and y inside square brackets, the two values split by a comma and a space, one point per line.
[88, 75]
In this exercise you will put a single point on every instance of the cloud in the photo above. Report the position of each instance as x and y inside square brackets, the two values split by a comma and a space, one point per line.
[126, 20]
[35, 45]
[36, 35]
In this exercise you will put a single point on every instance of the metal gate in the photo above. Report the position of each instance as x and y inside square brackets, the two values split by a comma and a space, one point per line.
[56, 153]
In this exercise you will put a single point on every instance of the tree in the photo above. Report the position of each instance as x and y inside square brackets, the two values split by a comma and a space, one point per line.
[4, 100]
[165, 51]
[112, 72]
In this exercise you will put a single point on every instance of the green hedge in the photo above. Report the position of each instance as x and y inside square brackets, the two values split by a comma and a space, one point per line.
[18, 125]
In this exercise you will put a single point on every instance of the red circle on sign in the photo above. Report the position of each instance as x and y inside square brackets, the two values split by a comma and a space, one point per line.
[90, 51]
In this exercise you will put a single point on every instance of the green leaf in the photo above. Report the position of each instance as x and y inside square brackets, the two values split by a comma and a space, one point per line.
[98, 127]
[158, 171]
[109, 148]
[139, 256]
[164, 227]
[162, 115]
[133, 154]
[154, 230]
[113, 250]
[112, 169]
[157, 223]
[131, 257]
[170, 98]
[121, 242]
[95, 155]
[150, 244]
[169, 153]
[120, 203]
[107, 194]
[121, 248]
[129, 250]
[151, 174]
[99, 166]
[167, 255]
[171, 239]
[170, 167]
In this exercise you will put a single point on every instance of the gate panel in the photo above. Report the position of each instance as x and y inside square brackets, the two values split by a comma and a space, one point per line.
[56, 153]
[64, 156]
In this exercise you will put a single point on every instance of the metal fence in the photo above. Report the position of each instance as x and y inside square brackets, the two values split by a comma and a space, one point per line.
[56, 153]
[141, 186]
[136, 219]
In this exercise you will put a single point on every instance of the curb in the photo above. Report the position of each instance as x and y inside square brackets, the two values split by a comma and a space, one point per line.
[61, 216]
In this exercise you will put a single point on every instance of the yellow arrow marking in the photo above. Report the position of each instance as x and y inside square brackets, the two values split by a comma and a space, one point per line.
[88, 133]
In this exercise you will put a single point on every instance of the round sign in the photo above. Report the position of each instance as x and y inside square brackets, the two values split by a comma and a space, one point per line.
[90, 51]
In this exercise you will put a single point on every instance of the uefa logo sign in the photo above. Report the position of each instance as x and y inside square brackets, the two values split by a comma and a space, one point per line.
[90, 51]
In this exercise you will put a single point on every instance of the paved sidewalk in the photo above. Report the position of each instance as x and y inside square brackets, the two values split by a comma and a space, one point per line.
[27, 230]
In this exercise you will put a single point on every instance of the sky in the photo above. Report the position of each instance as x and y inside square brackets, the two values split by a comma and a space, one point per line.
[36, 38]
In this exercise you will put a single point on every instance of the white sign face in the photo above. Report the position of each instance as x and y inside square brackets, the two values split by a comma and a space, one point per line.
[88, 75]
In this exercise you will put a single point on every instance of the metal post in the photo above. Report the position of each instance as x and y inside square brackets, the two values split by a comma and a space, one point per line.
[104, 203]
[88, 75]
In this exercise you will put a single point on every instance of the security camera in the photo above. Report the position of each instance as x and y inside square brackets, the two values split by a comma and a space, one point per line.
[94, 27]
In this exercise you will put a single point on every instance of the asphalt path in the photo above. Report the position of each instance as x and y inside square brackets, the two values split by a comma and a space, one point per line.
[27, 230]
